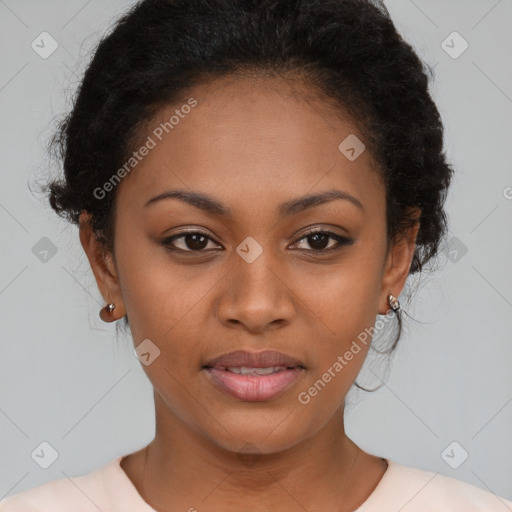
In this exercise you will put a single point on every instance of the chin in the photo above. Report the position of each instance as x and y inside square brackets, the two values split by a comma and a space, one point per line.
[256, 433]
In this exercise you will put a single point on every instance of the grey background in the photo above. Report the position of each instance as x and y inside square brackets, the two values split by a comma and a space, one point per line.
[66, 380]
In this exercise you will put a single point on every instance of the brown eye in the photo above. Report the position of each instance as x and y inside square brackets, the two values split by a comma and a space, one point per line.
[193, 241]
[319, 240]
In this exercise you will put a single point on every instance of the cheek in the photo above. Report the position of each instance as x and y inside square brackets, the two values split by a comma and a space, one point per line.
[157, 294]
[345, 302]
[346, 296]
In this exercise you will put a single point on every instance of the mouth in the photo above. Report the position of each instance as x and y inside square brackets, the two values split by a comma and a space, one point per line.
[254, 377]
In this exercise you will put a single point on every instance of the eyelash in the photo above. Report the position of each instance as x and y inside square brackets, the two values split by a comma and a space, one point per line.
[341, 241]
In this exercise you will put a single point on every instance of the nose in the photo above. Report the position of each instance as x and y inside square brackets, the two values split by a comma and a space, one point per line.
[256, 296]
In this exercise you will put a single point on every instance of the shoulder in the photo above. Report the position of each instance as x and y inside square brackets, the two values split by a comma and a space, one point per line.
[411, 489]
[84, 493]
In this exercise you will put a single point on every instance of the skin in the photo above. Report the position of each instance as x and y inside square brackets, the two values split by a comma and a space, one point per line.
[252, 144]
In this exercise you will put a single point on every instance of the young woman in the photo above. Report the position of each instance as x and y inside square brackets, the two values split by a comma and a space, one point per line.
[253, 182]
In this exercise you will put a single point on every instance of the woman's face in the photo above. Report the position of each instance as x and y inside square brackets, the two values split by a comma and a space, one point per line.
[255, 149]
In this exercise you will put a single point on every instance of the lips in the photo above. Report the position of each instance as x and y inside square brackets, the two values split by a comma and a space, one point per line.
[246, 359]
[254, 377]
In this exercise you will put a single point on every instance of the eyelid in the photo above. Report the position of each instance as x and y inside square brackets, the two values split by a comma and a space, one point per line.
[320, 229]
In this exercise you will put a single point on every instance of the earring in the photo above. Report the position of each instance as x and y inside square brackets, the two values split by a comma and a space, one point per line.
[106, 312]
[393, 302]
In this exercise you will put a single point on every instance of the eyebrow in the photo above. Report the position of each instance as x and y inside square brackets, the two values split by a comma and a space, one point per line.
[210, 205]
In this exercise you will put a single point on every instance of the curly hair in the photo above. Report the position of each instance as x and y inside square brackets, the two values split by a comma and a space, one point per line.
[347, 50]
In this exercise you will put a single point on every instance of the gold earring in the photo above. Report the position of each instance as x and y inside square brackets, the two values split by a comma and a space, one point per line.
[106, 312]
[393, 302]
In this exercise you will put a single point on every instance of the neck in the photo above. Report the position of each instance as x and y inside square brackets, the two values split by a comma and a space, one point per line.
[182, 469]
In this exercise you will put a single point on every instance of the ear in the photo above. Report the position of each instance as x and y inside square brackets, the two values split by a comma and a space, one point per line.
[398, 263]
[103, 266]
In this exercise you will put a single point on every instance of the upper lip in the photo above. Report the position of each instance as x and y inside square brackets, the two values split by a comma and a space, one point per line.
[263, 359]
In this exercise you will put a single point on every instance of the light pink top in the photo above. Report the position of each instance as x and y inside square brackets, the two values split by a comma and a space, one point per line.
[402, 488]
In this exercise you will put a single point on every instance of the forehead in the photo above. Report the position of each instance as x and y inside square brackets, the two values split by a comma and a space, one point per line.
[250, 140]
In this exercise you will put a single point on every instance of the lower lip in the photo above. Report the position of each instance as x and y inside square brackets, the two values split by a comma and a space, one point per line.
[254, 388]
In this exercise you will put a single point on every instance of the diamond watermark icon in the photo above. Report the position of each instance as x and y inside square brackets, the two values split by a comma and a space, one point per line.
[456, 249]
[454, 45]
[352, 147]
[146, 352]
[44, 250]
[44, 455]
[44, 45]
[454, 455]
[249, 249]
